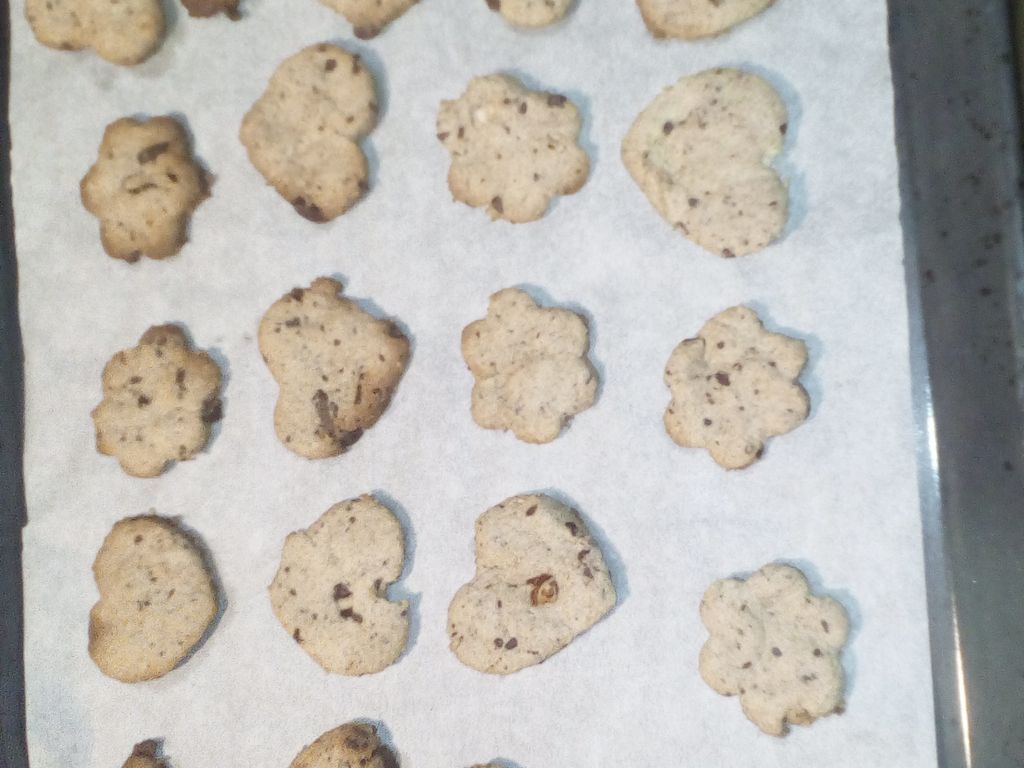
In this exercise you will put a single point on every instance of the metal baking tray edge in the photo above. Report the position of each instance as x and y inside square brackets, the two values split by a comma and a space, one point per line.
[958, 135]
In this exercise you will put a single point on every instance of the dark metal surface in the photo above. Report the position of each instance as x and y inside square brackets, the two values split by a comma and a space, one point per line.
[959, 139]
[12, 496]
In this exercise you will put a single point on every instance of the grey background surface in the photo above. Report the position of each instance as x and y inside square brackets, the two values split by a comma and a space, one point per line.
[954, 70]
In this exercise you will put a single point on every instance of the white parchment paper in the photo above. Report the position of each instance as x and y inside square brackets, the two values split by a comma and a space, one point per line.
[838, 496]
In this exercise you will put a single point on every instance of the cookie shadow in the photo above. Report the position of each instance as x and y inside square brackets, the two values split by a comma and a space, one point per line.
[218, 585]
[616, 565]
[852, 607]
[544, 299]
[501, 762]
[809, 378]
[397, 590]
[160, 62]
[389, 754]
[221, 360]
[792, 175]
[583, 103]
[369, 58]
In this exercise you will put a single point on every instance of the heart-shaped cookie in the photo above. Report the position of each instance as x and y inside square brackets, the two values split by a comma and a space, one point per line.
[702, 153]
[541, 580]
[157, 599]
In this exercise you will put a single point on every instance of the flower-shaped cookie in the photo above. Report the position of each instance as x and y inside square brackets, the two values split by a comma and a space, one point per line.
[530, 365]
[775, 645]
[143, 188]
[512, 149]
[733, 387]
[160, 400]
[121, 31]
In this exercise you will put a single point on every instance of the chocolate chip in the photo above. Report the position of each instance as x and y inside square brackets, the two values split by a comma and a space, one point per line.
[817, 651]
[556, 100]
[144, 401]
[292, 322]
[728, 253]
[824, 625]
[152, 152]
[297, 293]
[330, 64]
[498, 642]
[572, 528]
[511, 644]
[531, 510]
[722, 378]
[776, 652]
[496, 204]
[308, 210]
[522, 108]
[211, 410]
[365, 33]
[341, 591]
[297, 635]
[748, 665]
[179, 376]
[348, 613]
[694, 202]
[667, 128]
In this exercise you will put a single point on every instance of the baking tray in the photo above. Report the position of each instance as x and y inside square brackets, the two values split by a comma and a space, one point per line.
[954, 70]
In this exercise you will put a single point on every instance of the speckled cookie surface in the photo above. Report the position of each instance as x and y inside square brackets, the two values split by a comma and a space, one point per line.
[121, 31]
[701, 152]
[776, 646]
[160, 400]
[733, 387]
[369, 17]
[540, 581]
[530, 13]
[330, 591]
[336, 365]
[302, 134]
[512, 149]
[146, 754]
[690, 19]
[157, 599]
[352, 745]
[530, 367]
[143, 188]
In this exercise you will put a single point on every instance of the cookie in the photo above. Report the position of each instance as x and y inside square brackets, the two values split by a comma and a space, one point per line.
[733, 387]
[512, 149]
[157, 599]
[146, 754]
[776, 646]
[352, 745]
[540, 581]
[330, 591]
[160, 400]
[369, 17]
[124, 32]
[202, 9]
[692, 19]
[143, 188]
[530, 13]
[336, 365]
[701, 152]
[530, 367]
[302, 133]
